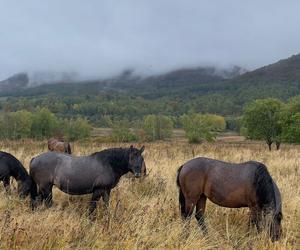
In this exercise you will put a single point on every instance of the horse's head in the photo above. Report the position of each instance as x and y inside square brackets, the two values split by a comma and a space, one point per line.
[136, 163]
[275, 228]
[24, 188]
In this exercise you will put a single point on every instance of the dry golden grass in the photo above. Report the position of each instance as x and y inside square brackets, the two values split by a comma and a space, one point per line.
[144, 214]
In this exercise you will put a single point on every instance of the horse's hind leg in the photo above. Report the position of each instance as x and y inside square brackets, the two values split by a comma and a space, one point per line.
[105, 197]
[189, 208]
[200, 209]
[46, 193]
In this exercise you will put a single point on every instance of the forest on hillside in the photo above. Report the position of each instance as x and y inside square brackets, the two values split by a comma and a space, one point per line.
[130, 97]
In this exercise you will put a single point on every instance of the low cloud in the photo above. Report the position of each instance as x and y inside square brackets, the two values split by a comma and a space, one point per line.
[102, 38]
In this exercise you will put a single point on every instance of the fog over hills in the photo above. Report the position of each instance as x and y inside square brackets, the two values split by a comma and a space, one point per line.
[130, 95]
[181, 76]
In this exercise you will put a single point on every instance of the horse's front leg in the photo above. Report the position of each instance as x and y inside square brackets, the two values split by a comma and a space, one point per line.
[97, 193]
[6, 184]
[105, 197]
[255, 218]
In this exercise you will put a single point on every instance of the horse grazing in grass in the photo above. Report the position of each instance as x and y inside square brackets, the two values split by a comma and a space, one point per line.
[97, 173]
[59, 146]
[230, 185]
[12, 167]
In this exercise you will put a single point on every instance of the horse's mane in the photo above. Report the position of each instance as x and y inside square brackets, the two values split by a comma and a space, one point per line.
[117, 157]
[264, 187]
[110, 152]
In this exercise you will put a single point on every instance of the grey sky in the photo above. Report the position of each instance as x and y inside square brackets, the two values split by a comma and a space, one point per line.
[101, 38]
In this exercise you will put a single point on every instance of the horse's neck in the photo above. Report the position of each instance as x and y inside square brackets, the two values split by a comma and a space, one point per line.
[19, 172]
[119, 162]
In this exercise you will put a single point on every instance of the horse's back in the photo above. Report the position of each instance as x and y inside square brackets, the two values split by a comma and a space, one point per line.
[206, 166]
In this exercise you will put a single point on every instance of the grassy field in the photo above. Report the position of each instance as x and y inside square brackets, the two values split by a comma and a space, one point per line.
[144, 214]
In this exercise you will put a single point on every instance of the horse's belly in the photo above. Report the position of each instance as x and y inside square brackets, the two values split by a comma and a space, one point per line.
[76, 190]
[233, 199]
[74, 187]
[229, 203]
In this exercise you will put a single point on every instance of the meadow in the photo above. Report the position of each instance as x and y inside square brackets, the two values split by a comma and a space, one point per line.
[144, 213]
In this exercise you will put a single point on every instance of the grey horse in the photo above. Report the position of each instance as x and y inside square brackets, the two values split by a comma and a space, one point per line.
[97, 173]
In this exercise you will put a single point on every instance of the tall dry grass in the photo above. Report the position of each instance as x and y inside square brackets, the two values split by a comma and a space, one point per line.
[144, 214]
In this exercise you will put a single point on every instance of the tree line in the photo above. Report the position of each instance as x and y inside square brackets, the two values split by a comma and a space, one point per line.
[42, 124]
[197, 127]
[268, 119]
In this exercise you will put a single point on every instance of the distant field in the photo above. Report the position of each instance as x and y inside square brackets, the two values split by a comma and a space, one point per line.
[178, 135]
[144, 214]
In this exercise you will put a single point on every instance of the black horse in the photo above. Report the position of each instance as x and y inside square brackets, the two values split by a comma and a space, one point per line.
[10, 166]
[97, 173]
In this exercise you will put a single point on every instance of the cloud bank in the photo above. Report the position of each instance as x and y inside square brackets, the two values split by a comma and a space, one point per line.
[102, 38]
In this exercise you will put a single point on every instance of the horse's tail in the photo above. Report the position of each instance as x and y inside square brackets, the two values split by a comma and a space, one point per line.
[33, 188]
[264, 188]
[181, 195]
[69, 148]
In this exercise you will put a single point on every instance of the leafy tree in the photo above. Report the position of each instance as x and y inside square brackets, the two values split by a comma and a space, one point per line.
[215, 122]
[233, 123]
[291, 129]
[16, 125]
[121, 131]
[291, 121]
[157, 127]
[44, 124]
[77, 129]
[262, 119]
[198, 127]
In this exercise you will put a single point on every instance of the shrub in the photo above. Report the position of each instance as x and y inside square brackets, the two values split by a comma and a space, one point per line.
[16, 125]
[121, 132]
[197, 128]
[77, 129]
[157, 127]
[44, 124]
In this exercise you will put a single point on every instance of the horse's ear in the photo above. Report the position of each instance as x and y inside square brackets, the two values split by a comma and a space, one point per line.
[142, 149]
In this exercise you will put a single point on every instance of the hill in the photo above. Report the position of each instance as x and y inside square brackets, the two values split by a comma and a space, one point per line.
[15, 82]
[206, 90]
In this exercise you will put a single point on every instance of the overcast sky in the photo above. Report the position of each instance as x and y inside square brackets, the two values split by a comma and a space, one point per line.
[101, 38]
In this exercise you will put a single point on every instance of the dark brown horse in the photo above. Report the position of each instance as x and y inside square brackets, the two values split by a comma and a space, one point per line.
[59, 146]
[230, 185]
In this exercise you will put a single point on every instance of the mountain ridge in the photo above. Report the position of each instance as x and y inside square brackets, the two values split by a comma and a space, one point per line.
[175, 93]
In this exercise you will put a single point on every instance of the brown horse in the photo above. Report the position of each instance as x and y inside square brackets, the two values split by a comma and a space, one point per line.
[59, 146]
[230, 185]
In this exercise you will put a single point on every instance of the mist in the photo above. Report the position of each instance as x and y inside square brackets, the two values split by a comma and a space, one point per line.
[103, 38]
